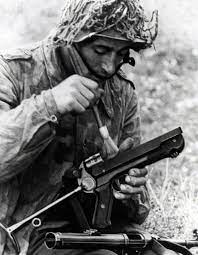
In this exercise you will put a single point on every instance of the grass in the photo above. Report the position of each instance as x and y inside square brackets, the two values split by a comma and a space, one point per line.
[166, 81]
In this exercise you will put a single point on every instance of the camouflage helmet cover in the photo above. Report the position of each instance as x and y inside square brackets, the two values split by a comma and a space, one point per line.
[82, 19]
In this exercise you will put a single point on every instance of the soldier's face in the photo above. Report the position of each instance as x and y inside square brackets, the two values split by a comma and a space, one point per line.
[103, 55]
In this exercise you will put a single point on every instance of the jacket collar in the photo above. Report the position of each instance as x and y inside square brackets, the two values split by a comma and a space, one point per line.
[54, 67]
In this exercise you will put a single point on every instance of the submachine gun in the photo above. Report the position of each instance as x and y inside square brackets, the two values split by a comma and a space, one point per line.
[97, 176]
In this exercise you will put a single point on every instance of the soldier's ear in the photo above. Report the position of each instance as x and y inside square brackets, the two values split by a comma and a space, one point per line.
[128, 60]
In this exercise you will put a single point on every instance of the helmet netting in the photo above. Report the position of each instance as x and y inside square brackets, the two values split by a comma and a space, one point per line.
[95, 16]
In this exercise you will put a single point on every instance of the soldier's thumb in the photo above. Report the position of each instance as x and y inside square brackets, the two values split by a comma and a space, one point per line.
[126, 144]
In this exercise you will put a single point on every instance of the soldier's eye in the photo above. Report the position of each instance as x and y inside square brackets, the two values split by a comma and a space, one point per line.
[101, 50]
[123, 52]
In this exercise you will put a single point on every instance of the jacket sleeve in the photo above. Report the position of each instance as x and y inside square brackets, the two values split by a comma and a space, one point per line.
[26, 127]
[138, 207]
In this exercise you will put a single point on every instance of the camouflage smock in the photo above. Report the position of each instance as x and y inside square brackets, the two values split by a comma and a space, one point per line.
[37, 144]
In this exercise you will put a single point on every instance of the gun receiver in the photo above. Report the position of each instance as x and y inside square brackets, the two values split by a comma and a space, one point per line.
[99, 174]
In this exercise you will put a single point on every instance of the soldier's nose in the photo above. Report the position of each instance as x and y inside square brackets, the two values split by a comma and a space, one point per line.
[108, 68]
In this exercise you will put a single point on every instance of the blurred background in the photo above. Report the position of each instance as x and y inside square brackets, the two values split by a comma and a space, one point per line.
[166, 78]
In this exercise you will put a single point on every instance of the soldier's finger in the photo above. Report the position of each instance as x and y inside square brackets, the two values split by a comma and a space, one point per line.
[121, 196]
[81, 100]
[135, 181]
[87, 93]
[138, 172]
[97, 94]
[128, 189]
[90, 84]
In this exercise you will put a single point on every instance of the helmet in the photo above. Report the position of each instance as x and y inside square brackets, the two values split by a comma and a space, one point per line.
[83, 19]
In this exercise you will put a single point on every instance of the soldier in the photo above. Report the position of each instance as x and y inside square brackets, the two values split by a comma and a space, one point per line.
[47, 122]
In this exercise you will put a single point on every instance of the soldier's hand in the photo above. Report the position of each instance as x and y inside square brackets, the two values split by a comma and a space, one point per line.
[76, 94]
[133, 183]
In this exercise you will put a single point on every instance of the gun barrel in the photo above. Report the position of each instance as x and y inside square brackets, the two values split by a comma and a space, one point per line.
[134, 241]
[84, 241]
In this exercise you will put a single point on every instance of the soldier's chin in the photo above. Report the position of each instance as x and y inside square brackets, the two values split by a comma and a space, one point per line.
[103, 76]
[100, 76]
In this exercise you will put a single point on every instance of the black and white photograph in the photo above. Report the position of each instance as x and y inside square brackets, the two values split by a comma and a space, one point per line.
[98, 127]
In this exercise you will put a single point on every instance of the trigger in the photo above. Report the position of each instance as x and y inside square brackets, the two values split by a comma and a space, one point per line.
[117, 182]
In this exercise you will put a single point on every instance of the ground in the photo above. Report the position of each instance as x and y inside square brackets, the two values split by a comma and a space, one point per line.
[166, 79]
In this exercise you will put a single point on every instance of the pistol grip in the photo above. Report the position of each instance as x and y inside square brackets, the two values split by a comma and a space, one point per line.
[103, 207]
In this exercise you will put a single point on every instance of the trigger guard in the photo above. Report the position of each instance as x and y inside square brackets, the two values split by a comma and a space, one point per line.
[117, 182]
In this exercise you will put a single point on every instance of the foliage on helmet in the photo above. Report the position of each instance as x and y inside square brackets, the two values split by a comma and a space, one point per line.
[82, 19]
